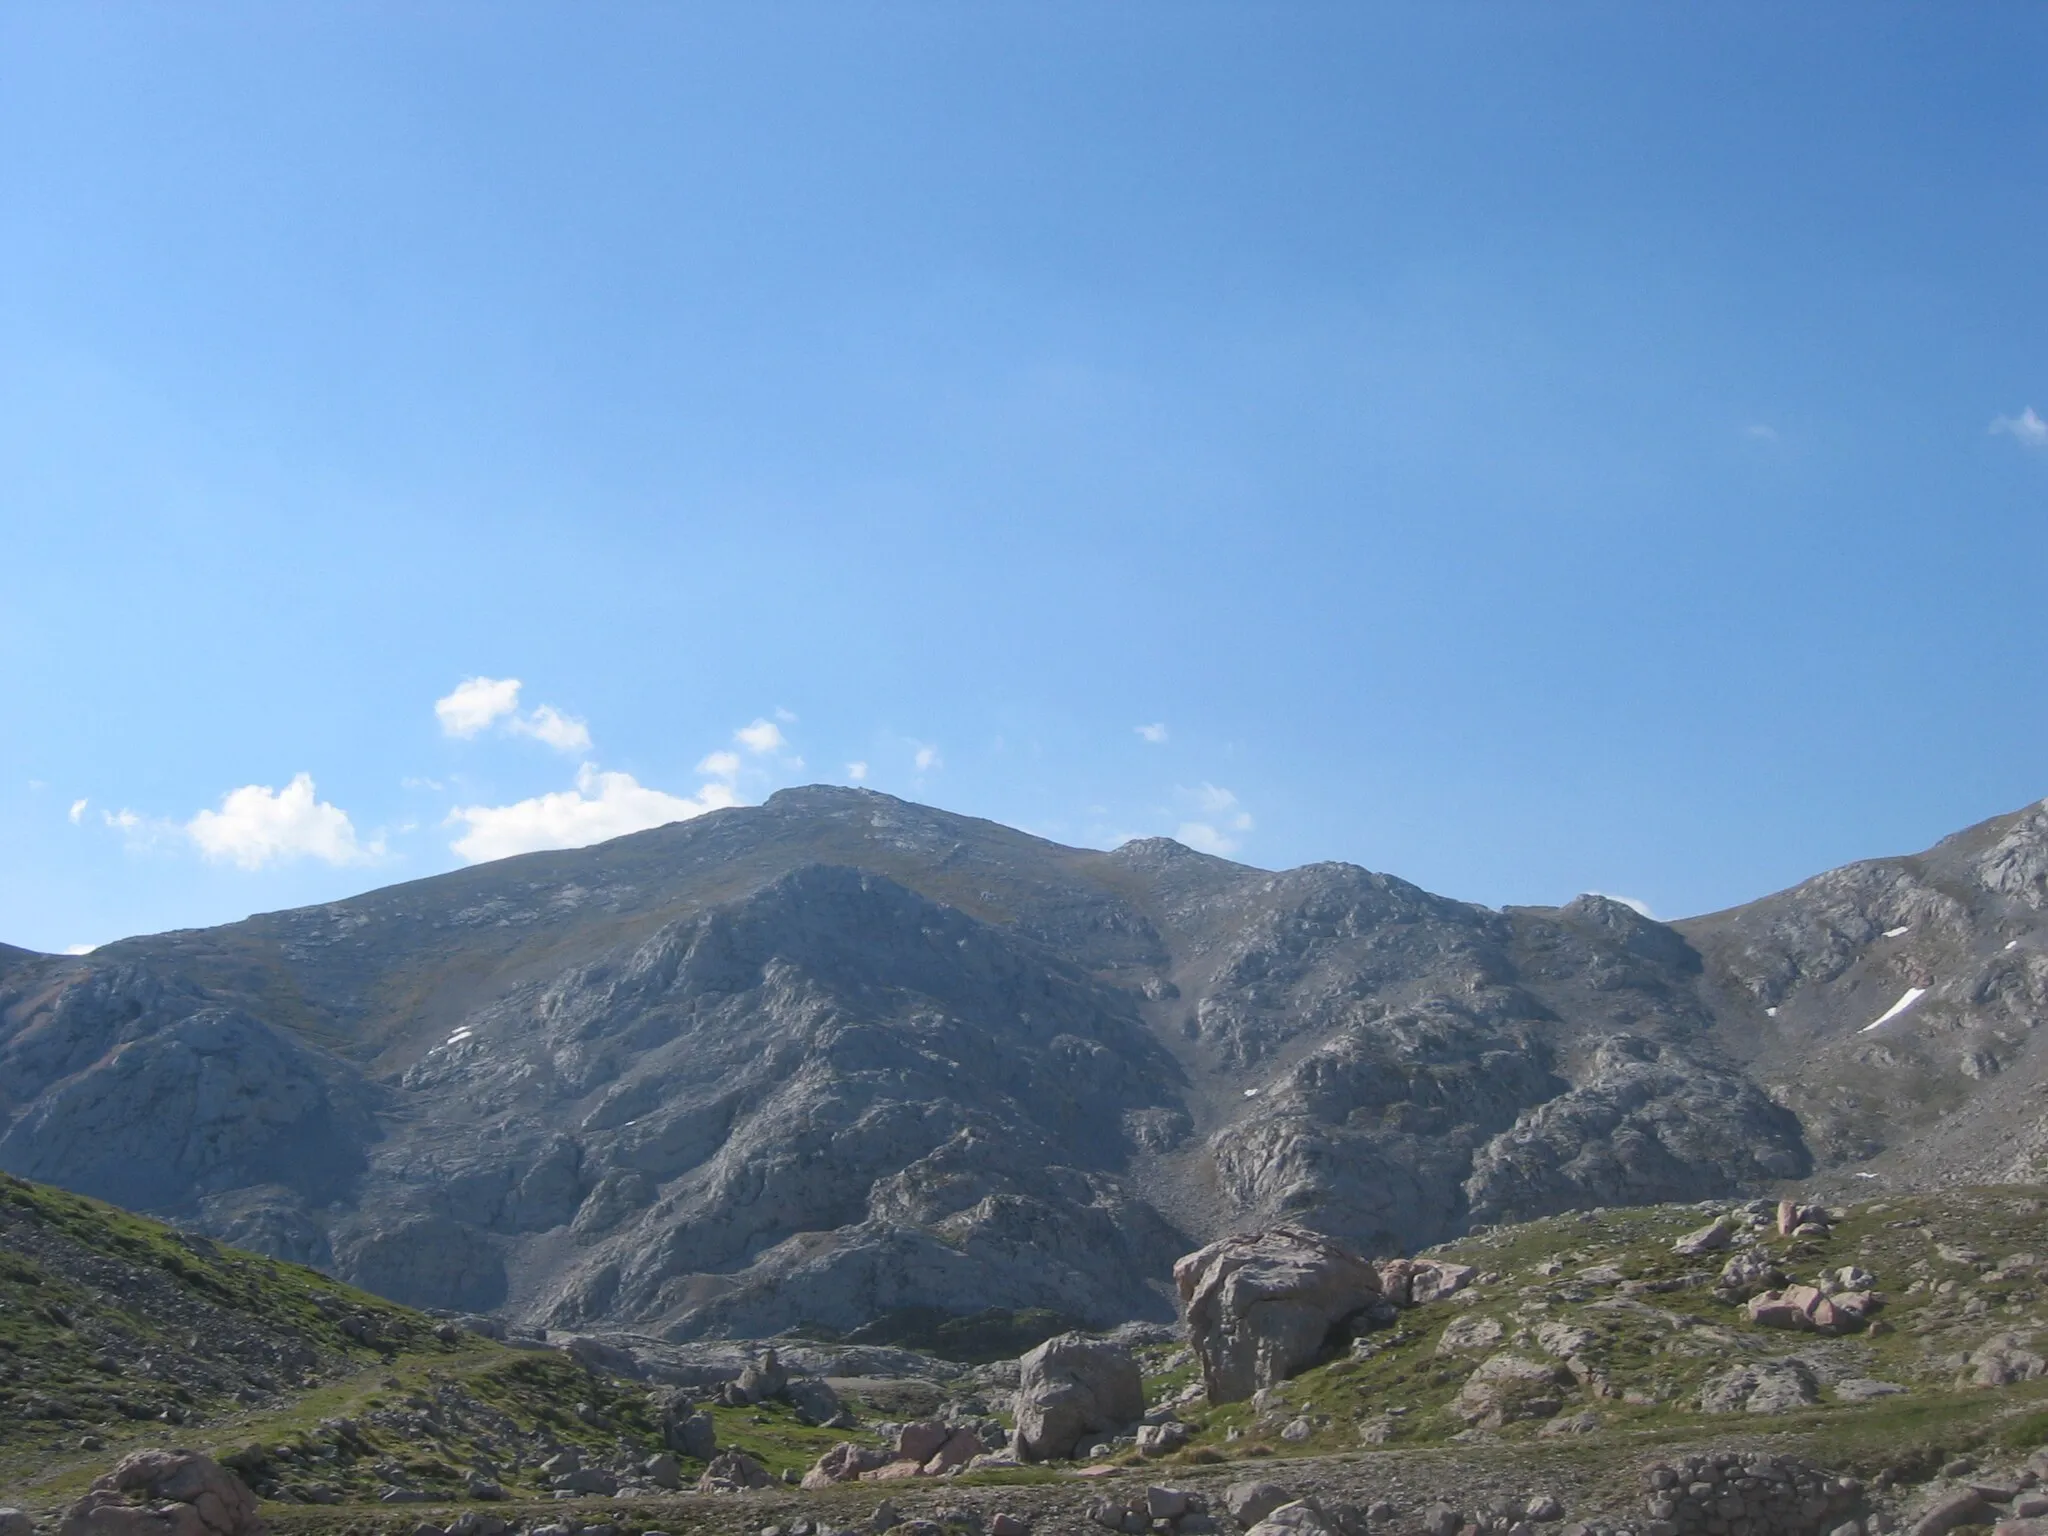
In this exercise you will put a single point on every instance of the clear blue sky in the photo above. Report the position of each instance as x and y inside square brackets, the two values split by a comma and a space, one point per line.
[1524, 448]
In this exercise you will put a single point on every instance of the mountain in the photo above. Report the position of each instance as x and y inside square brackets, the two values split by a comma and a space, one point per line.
[838, 1056]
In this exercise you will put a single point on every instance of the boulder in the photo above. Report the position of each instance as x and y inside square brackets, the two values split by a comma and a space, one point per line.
[1416, 1282]
[917, 1441]
[1768, 1386]
[165, 1493]
[1714, 1236]
[733, 1472]
[763, 1379]
[1249, 1503]
[15, 1523]
[1304, 1517]
[816, 1403]
[2002, 1360]
[1506, 1388]
[687, 1430]
[1161, 1439]
[1262, 1306]
[961, 1447]
[1747, 1273]
[1071, 1386]
[1435, 1280]
[1806, 1308]
[844, 1463]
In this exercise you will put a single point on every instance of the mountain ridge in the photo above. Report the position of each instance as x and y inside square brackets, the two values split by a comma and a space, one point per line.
[838, 1055]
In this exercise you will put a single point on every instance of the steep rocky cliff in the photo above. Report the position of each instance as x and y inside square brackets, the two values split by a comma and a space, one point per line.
[837, 1055]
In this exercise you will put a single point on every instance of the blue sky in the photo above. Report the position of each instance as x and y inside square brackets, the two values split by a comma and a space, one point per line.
[1525, 448]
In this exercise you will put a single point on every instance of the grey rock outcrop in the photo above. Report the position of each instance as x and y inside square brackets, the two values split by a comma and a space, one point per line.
[1262, 1306]
[1072, 1386]
[165, 1493]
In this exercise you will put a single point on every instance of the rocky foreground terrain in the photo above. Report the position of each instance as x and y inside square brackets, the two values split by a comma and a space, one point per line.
[1722, 1369]
[847, 1063]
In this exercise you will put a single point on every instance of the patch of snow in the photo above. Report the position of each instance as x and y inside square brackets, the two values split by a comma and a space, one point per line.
[1861, 1175]
[460, 1035]
[2012, 943]
[1251, 1093]
[1893, 933]
[1771, 1013]
[1906, 1000]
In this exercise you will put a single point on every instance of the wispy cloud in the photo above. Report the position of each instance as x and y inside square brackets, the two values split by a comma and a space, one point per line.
[927, 757]
[257, 825]
[2026, 429]
[720, 765]
[478, 703]
[78, 811]
[602, 805]
[1155, 734]
[857, 772]
[762, 737]
[1760, 432]
[1220, 823]
[1630, 902]
[475, 704]
[547, 724]
[80, 949]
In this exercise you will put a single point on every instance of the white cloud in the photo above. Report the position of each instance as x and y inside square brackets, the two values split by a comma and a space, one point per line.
[412, 783]
[927, 757]
[257, 825]
[123, 820]
[1760, 432]
[475, 703]
[77, 811]
[761, 737]
[857, 772]
[786, 716]
[80, 949]
[2026, 429]
[1155, 733]
[546, 723]
[602, 805]
[1205, 838]
[1630, 902]
[720, 765]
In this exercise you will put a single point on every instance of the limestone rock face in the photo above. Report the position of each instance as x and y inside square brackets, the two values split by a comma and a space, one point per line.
[165, 1493]
[1507, 1387]
[1072, 1386]
[1262, 1306]
[837, 1056]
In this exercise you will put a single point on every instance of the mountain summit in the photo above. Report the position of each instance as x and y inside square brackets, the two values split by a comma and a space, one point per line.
[837, 1055]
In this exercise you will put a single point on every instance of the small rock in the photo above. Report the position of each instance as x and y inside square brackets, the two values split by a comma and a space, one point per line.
[1543, 1509]
[1007, 1524]
[1296, 1431]
[14, 1523]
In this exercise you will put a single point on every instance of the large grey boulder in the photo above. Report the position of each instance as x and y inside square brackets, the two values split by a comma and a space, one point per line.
[1072, 1386]
[165, 1493]
[1262, 1306]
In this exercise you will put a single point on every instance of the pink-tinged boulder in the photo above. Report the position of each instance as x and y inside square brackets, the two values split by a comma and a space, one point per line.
[1072, 1386]
[165, 1493]
[961, 1447]
[894, 1471]
[1806, 1308]
[1264, 1305]
[843, 1464]
[917, 1442]
[1435, 1280]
